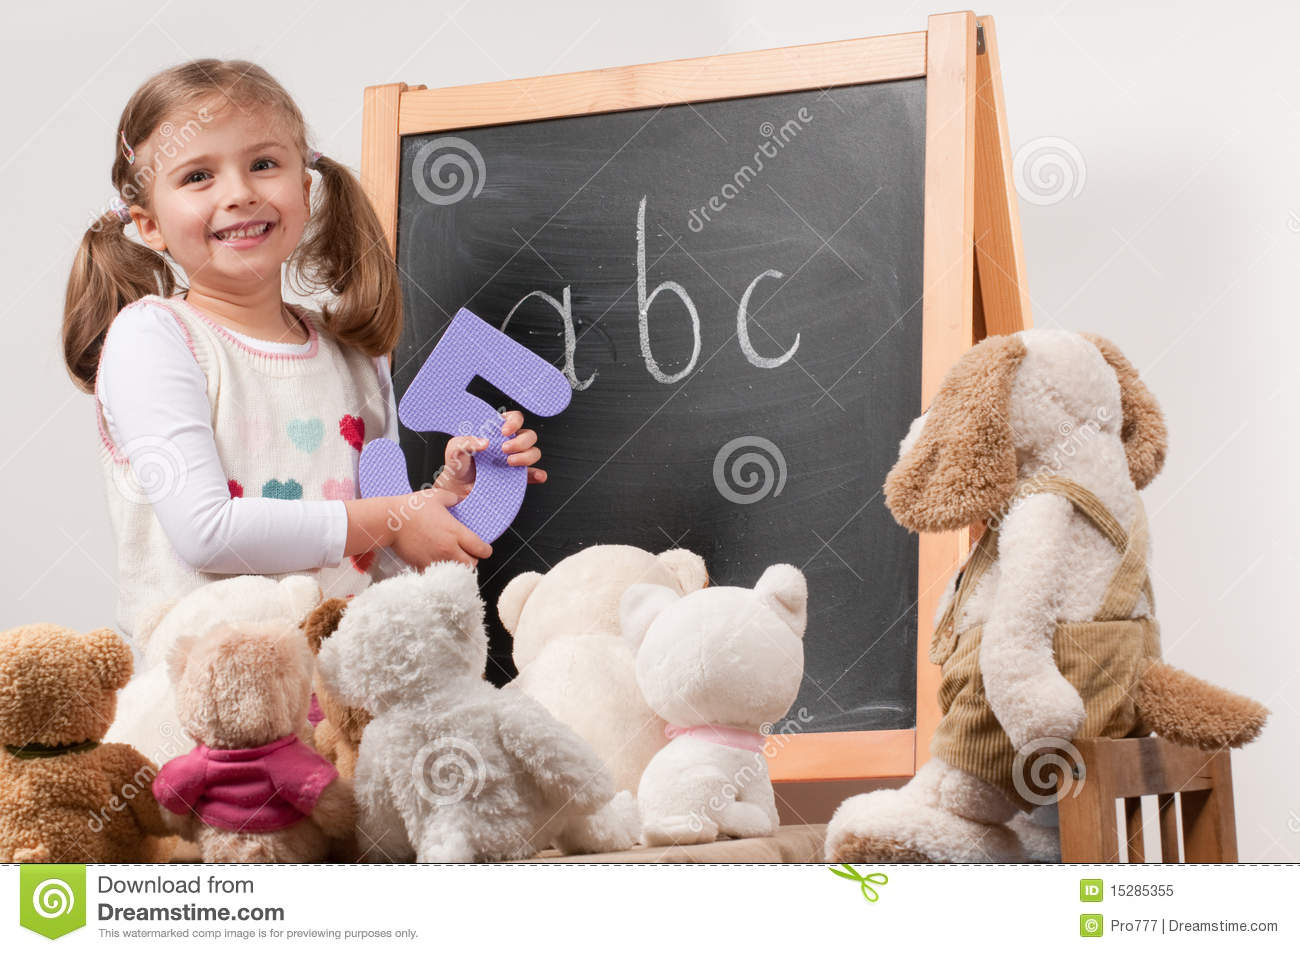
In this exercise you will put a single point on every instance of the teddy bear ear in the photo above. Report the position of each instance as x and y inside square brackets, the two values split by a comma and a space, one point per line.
[641, 604]
[687, 568]
[303, 594]
[179, 656]
[784, 590]
[322, 621]
[111, 658]
[510, 604]
[149, 621]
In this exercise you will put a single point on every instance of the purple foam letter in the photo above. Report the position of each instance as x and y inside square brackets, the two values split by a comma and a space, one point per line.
[437, 402]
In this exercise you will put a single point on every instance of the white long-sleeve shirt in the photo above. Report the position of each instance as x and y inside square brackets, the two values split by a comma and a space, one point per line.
[153, 393]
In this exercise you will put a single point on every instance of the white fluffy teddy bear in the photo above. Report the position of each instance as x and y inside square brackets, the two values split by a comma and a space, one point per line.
[451, 769]
[572, 658]
[715, 665]
[146, 708]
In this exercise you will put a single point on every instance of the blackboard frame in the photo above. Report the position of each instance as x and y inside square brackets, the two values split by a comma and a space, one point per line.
[973, 263]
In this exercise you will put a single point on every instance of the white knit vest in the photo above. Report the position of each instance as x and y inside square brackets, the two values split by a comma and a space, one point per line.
[288, 426]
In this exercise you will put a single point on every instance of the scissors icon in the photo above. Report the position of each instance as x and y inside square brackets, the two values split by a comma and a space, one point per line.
[865, 881]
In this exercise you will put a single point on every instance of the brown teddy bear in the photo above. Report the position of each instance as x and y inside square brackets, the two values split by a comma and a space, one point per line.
[252, 790]
[64, 797]
[338, 735]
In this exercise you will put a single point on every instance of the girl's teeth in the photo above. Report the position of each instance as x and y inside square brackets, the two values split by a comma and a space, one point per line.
[242, 233]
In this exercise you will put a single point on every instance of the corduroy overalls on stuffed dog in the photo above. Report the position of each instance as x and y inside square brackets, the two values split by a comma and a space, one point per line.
[1103, 659]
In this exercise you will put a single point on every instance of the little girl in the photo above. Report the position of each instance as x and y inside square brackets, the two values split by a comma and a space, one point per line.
[231, 423]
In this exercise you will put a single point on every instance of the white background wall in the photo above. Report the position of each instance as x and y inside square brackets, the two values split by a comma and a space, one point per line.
[1178, 238]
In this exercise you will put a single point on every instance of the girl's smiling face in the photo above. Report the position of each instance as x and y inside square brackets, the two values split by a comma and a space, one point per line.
[231, 198]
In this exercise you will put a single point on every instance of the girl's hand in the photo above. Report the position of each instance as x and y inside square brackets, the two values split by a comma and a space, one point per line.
[522, 448]
[424, 532]
[457, 476]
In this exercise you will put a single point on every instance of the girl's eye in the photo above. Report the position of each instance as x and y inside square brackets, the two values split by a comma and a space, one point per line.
[190, 178]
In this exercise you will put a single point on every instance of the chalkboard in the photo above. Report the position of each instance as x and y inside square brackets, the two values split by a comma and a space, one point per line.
[725, 446]
[838, 221]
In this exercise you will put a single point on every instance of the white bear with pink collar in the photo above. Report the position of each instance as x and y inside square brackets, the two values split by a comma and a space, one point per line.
[717, 665]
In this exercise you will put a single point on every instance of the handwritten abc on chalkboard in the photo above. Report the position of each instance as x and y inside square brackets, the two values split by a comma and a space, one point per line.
[753, 270]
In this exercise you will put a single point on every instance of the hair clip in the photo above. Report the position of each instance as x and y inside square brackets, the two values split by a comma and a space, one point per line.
[120, 208]
[127, 150]
[312, 158]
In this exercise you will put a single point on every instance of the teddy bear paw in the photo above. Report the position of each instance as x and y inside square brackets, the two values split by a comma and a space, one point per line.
[616, 826]
[679, 829]
[892, 827]
[1041, 843]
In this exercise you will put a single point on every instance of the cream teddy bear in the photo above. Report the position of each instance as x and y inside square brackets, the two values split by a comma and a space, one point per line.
[572, 658]
[451, 769]
[716, 665]
[146, 709]
[251, 790]
[1048, 631]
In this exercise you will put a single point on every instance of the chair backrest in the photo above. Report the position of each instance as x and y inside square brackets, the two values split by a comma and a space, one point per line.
[1196, 784]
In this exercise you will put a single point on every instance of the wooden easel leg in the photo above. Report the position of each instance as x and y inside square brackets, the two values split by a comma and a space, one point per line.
[946, 305]
[1002, 286]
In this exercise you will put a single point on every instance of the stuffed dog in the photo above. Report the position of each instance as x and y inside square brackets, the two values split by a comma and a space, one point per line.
[1048, 631]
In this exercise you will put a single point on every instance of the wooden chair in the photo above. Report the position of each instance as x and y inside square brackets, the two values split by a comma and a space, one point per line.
[1200, 782]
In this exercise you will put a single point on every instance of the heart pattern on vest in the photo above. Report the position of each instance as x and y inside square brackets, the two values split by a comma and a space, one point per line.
[339, 490]
[306, 434]
[289, 490]
[353, 430]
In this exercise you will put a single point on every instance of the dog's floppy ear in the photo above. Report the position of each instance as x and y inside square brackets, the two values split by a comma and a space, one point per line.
[322, 621]
[962, 467]
[1146, 439]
